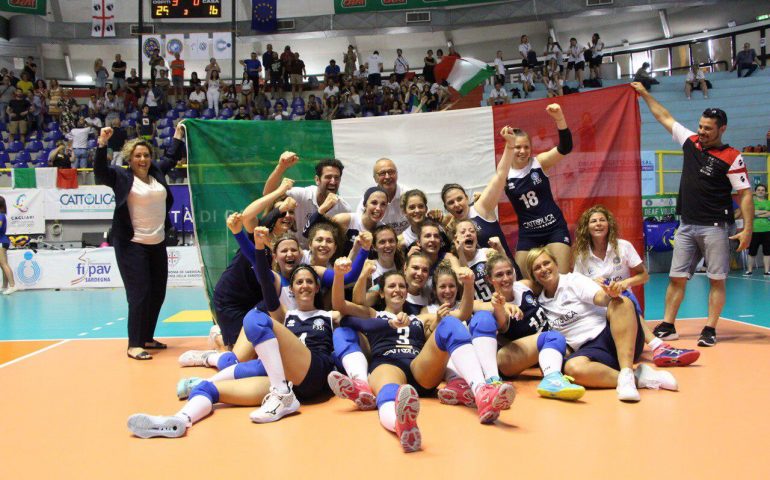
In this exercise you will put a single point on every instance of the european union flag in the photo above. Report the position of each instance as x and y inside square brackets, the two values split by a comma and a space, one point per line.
[263, 15]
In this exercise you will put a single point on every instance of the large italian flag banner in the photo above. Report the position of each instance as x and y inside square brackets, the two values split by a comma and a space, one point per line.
[229, 161]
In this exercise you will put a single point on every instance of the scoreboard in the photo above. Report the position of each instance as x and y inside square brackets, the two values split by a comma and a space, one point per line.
[186, 8]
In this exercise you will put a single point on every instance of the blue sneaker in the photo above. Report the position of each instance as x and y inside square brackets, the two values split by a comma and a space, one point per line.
[496, 380]
[185, 385]
[556, 385]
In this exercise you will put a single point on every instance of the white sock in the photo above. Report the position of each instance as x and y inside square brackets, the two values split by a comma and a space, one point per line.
[486, 351]
[451, 371]
[387, 413]
[212, 359]
[355, 365]
[550, 360]
[225, 374]
[197, 408]
[467, 363]
[655, 343]
[270, 355]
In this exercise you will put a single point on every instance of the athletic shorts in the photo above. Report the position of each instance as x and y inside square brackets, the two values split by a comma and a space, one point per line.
[177, 82]
[296, 79]
[405, 364]
[602, 348]
[520, 329]
[760, 239]
[576, 65]
[693, 242]
[315, 382]
[596, 60]
[17, 126]
[230, 320]
[528, 240]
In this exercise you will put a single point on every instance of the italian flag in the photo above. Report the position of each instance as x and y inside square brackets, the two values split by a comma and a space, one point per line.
[34, 177]
[463, 74]
[230, 160]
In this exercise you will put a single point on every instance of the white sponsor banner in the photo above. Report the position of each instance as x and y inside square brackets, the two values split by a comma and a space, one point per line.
[222, 45]
[149, 44]
[197, 46]
[174, 43]
[84, 203]
[26, 212]
[93, 268]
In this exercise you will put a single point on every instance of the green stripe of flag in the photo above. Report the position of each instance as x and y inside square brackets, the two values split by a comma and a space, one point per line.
[476, 80]
[24, 178]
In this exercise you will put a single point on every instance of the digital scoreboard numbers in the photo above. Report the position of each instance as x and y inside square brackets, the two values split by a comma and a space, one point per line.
[186, 8]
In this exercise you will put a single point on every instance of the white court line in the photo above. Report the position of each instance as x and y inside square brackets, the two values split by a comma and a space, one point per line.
[110, 323]
[96, 329]
[745, 316]
[750, 279]
[745, 323]
[16, 360]
[92, 338]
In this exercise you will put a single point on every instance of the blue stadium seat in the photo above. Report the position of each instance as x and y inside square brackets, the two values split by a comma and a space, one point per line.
[257, 117]
[132, 116]
[180, 107]
[5, 160]
[22, 159]
[92, 144]
[225, 113]
[15, 146]
[165, 132]
[167, 142]
[298, 110]
[2, 146]
[283, 102]
[208, 114]
[53, 136]
[297, 102]
[191, 113]
[34, 146]
[171, 114]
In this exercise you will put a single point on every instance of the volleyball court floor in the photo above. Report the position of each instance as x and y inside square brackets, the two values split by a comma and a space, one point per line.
[68, 388]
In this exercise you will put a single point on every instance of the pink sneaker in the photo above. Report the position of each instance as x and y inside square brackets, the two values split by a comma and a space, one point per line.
[456, 392]
[491, 398]
[668, 356]
[407, 409]
[357, 391]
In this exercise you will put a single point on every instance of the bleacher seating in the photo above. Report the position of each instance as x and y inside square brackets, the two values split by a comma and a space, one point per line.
[22, 159]
[208, 114]
[15, 146]
[34, 146]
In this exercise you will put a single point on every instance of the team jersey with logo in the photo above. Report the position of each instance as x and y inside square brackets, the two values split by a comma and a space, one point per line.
[708, 178]
[478, 264]
[414, 303]
[397, 342]
[313, 328]
[307, 205]
[529, 191]
[614, 267]
[534, 319]
[571, 311]
[286, 296]
[486, 230]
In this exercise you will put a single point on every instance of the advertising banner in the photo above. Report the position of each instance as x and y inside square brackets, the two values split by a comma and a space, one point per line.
[26, 212]
[197, 46]
[350, 6]
[86, 203]
[658, 206]
[181, 213]
[34, 7]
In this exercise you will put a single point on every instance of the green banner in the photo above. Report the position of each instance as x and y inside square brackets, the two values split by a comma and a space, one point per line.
[229, 162]
[658, 206]
[350, 6]
[33, 7]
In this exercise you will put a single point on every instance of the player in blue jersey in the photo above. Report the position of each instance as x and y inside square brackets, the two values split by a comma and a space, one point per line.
[403, 360]
[541, 222]
[294, 360]
[474, 257]
[375, 205]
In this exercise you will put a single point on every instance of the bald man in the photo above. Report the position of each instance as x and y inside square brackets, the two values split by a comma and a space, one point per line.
[386, 176]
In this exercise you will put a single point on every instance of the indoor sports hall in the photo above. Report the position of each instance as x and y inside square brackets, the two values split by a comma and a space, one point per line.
[180, 78]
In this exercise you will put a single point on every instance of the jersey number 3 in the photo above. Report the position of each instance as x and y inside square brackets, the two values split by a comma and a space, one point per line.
[403, 336]
[529, 199]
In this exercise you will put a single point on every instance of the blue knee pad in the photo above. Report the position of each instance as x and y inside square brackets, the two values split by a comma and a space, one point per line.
[451, 334]
[483, 324]
[226, 359]
[258, 327]
[252, 368]
[345, 342]
[387, 394]
[635, 301]
[554, 340]
[206, 389]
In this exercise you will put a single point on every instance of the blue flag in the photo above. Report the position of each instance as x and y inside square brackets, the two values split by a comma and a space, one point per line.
[263, 15]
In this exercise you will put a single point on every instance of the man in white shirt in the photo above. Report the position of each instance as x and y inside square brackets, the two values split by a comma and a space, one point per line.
[94, 122]
[374, 67]
[695, 79]
[79, 138]
[331, 89]
[386, 177]
[198, 98]
[498, 95]
[279, 114]
[328, 175]
[400, 66]
[499, 68]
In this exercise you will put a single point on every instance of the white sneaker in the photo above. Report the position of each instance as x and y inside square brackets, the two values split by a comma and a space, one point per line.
[648, 377]
[149, 426]
[195, 358]
[10, 290]
[213, 334]
[626, 388]
[275, 406]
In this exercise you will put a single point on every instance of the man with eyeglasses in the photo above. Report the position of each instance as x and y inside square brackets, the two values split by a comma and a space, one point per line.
[710, 171]
[386, 177]
[319, 197]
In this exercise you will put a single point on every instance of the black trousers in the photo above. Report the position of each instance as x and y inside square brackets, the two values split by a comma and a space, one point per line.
[144, 270]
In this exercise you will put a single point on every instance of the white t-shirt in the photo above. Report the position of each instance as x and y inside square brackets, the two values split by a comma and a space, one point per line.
[307, 205]
[695, 78]
[401, 65]
[615, 266]
[524, 48]
[199, 97]
[147, 208]
[572, 312]
[374, 62]
[393, 214]
[597, 49]
[554, 52]
[495, 93]
[527, 78]
[499, 66]
[331, 90]
[79, 137]
[575, 54]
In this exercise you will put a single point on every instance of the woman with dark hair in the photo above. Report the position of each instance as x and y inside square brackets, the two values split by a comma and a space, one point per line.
[139, 226]
[9, 286]
[761, 237]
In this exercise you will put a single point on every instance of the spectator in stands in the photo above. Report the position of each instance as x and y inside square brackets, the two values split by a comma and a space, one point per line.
[331, 89]
[397, 108]
[93, 122]
[349, 58]
[9, 285]
[527, 53]
[554, 85]
[13, 77]
[54, 95]
[242, 114]
[643, 76]
[260, 106]
[498, 95]
[60, 156]
[212, 67]
[298, 74]
[198, 98]
[332, 72]
[116, 142]
[7, 93]
[230, 98]
[30, 67]
[575, 60]
[133, 89]
[360, 77]
[69, 111]
[194, 80]
[550, 67]
[499, 68]
[42, 88]
[553, 52]
[118, 73]
[247, 90]
[312, 112]
[37, 110]
[439, 56]
[100, 77]
[400, 65]
[332, 105]
[761, 237]
[213, 86]
[113, 105]
[453, 52]
[177, 76]
[746, 59]
[278, 113]
[527, 81]
[79, 138]
[429, 64]
[155, 60]
[96, 104]
[17, 110]
[25, 84]
[163, 83]
[145, 126]
[347, 106]
[695, 80]
[267, 63]
[252, 67]
[596, 46]
[374, 68]
[287, 57]
[276, 76]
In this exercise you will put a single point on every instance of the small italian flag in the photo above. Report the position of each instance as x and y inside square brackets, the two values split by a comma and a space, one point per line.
[463, 74]
[34, 177]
